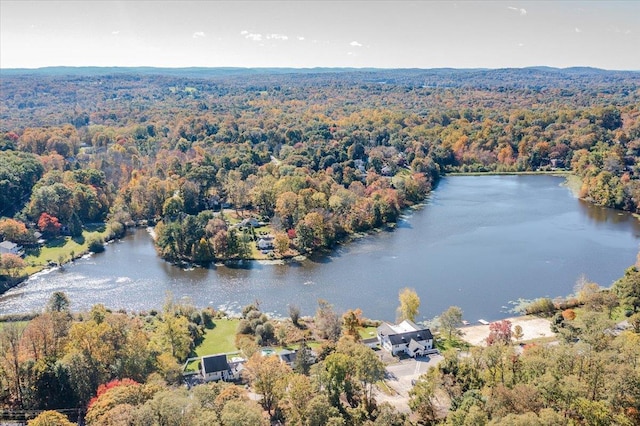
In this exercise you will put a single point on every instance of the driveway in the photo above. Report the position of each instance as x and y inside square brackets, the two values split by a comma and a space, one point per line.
[400, 377]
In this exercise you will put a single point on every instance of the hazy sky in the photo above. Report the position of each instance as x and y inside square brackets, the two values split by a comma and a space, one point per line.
[390, 34]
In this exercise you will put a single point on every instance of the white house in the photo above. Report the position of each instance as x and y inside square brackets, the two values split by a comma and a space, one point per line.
[8, 247]
[215, 367]
[265, 243]
[405, 337]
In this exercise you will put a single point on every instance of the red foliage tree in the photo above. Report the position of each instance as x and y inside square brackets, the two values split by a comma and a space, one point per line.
[49, 225]
[499, 332]
[103, 388]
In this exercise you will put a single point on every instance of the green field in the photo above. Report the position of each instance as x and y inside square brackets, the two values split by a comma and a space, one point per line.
[220, 339]
[61, 249]
[368, 332]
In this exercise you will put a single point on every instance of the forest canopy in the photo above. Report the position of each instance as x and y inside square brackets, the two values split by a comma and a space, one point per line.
[317, 155]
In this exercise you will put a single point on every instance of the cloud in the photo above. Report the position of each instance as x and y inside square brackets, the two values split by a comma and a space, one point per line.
[522, 11]
[277, 37]
[199, 34]
[520, 44]
[300, 38]
[355, 44]
[115, 32]
[578, 30]
[251, 36]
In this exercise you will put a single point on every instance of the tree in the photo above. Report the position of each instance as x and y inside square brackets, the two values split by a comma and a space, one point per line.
[12, 263]
[281, 243]
[409, 304]
[517, 332]
[352, 320]
[294, 314]
[58, 302]
[450, 320]
[49, 225]
[422, 398]
[241, 413]
[327, 321]
[50, 418]
[13, 230]
[267, 376]
[499, 333]
[10, 336]
[628, 288]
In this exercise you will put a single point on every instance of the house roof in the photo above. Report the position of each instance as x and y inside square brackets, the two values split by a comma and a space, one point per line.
[402, 338]
[385, 330]
[214, 363]
[415, 346]
[8, 245]
[288, 356]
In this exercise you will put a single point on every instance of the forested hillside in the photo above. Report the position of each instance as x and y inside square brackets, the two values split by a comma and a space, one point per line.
[316, 154]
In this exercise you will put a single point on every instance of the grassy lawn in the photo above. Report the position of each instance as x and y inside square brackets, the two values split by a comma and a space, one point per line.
[61, 249]
[220, 339]
[442, 344]
[368, 332]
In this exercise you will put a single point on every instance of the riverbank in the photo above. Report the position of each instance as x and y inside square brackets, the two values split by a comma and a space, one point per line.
[526, 173]
[57, 252]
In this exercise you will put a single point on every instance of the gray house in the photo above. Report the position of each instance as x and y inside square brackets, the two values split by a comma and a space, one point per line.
[8, 247]
[215, 367]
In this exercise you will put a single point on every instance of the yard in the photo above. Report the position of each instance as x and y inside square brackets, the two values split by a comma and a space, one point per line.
[220, 339]
[62, 249]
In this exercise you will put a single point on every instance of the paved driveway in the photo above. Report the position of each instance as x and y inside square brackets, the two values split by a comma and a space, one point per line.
[400, 378]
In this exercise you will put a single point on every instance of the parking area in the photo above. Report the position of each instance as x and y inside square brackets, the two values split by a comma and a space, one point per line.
[400, 377]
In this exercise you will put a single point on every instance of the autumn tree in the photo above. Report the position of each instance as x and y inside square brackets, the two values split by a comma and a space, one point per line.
[499, 333]
[409, 304]
[50, 418]
[49, 225]
[451, 320]
[352, 321]
[267, 376]
[327, 321]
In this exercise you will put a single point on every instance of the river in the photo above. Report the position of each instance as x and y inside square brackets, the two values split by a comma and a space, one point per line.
[478, 243]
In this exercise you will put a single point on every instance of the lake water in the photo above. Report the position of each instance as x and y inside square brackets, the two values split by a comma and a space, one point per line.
[479, 243]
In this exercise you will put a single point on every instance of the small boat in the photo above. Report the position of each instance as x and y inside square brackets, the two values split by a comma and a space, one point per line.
[483, 322]
[465, 322]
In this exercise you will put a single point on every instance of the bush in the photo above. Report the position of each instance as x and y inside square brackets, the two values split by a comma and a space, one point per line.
[96, 246]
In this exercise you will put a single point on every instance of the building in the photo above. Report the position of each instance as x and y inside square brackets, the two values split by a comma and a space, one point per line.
[216, 367]
[8, 247]
[288, 357]
[406, 337]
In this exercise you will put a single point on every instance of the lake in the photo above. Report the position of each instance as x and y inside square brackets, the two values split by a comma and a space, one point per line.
[479, 242]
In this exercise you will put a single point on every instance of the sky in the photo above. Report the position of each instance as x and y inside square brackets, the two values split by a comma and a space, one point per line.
[307, 33]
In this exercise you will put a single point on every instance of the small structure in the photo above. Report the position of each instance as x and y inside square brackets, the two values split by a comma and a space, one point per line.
[288, 357]
[265, 243]
[216, 367]
[405, 337]
[252, 221]
[9, 247]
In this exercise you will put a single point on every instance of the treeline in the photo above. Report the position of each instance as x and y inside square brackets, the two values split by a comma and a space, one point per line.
[318, 156]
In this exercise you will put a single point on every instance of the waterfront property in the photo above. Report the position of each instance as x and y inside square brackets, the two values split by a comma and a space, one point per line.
[9, 247]
[406, 337]
[216, 367]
